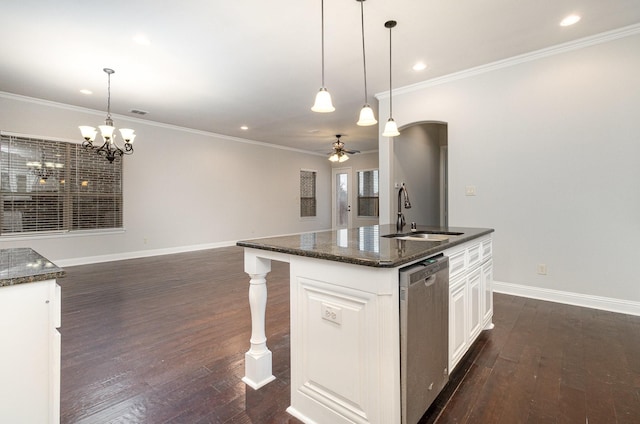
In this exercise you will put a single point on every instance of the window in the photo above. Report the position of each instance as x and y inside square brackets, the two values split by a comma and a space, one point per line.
[368, 193]
[54, 186]
[307, 193]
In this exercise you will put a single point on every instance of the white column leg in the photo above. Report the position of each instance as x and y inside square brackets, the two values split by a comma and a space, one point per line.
[257, 361]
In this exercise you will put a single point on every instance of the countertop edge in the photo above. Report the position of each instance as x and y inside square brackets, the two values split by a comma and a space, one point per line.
[25, 265]
[350, 259]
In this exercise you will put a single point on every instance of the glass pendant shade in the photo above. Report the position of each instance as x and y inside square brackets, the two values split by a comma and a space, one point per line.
[106, 131]
[323, 102]
[343, 157]
[334, 157]
[366, 117]
[391, 129]
[88, 133]
[127, 134]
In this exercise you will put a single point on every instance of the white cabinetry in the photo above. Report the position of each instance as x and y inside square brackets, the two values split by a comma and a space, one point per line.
[470, 295]
[457, 319]
[30, 353]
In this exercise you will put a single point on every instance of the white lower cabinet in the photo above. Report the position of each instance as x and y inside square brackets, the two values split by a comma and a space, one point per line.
[474, 281]
[470, 295]
[457, 322]
[487, 280]
[30, 353]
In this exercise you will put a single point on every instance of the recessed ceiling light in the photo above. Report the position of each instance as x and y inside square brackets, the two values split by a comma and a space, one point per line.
[141, 39]
[570, 20]
[244, 128]
[420, 66]
[85, 91]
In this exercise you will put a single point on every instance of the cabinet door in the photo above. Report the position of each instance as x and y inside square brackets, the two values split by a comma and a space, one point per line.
[25, 358]
[487, 282]
[475, 307]
[457, 321]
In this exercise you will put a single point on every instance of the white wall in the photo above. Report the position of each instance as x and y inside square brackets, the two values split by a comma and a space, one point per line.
[552, 144]
[183, 189]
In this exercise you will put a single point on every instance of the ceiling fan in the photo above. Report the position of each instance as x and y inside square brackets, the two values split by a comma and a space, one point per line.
[339, 153]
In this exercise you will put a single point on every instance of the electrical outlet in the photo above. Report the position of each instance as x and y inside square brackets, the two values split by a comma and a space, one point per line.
[470, 190]
[331, 313]
[542, 269]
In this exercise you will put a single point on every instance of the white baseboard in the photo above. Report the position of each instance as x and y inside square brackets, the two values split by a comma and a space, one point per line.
[153, 252]
[577, 299]
[139, 254]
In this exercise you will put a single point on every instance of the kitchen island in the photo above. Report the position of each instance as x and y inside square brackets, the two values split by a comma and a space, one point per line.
[344, 300]
[30, 354]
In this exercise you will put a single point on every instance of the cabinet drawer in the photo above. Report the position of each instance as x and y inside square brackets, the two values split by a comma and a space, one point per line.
[474, 255]
[456, 263]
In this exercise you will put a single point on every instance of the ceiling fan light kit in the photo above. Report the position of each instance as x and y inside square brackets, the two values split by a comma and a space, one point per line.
[339, 153]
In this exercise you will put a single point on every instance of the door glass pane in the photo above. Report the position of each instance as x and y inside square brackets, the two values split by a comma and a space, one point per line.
[342, 200]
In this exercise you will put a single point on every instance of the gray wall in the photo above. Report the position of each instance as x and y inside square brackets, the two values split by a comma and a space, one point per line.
[551, 142]
[417, 164]
[183, 189]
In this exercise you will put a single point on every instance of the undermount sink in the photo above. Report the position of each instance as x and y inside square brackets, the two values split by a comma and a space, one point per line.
[424, 235]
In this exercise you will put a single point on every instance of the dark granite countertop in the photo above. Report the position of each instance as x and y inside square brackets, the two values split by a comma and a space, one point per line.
[365, 245]
[24, 265]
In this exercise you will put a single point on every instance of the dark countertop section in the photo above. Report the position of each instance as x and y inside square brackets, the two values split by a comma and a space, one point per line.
[24, 265]
[364, 245]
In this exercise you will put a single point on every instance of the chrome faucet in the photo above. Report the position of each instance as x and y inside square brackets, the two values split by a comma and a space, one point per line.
[407, 205]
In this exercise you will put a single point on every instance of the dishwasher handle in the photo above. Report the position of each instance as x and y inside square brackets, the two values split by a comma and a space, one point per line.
[430, 280]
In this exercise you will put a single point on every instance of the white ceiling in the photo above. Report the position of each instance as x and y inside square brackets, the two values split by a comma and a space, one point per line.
[217, 65]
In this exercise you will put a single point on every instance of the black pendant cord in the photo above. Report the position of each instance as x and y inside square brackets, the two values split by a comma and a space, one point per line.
[322, 32]
[364, 57]
[390, 24]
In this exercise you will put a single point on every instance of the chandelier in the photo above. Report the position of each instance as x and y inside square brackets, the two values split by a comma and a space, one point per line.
[43, 169]
[109, 148]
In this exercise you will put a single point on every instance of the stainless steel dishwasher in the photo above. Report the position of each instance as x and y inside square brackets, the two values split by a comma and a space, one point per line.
[424, 335]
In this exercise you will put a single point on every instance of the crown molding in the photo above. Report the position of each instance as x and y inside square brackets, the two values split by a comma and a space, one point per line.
[516, 60]
[64, 106]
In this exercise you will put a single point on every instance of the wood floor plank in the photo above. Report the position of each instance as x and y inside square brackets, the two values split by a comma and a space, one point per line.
[162, 340]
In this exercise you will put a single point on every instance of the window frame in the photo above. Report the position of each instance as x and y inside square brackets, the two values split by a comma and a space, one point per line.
[314, 198]
[359, 197]
[77, 164]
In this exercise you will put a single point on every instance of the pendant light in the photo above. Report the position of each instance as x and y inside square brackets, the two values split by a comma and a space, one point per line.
[109, 148]
[323, 98]
[390, 129]
[366, 114]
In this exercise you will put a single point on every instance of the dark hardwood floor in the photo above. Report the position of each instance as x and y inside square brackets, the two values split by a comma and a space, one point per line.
[162, 340]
